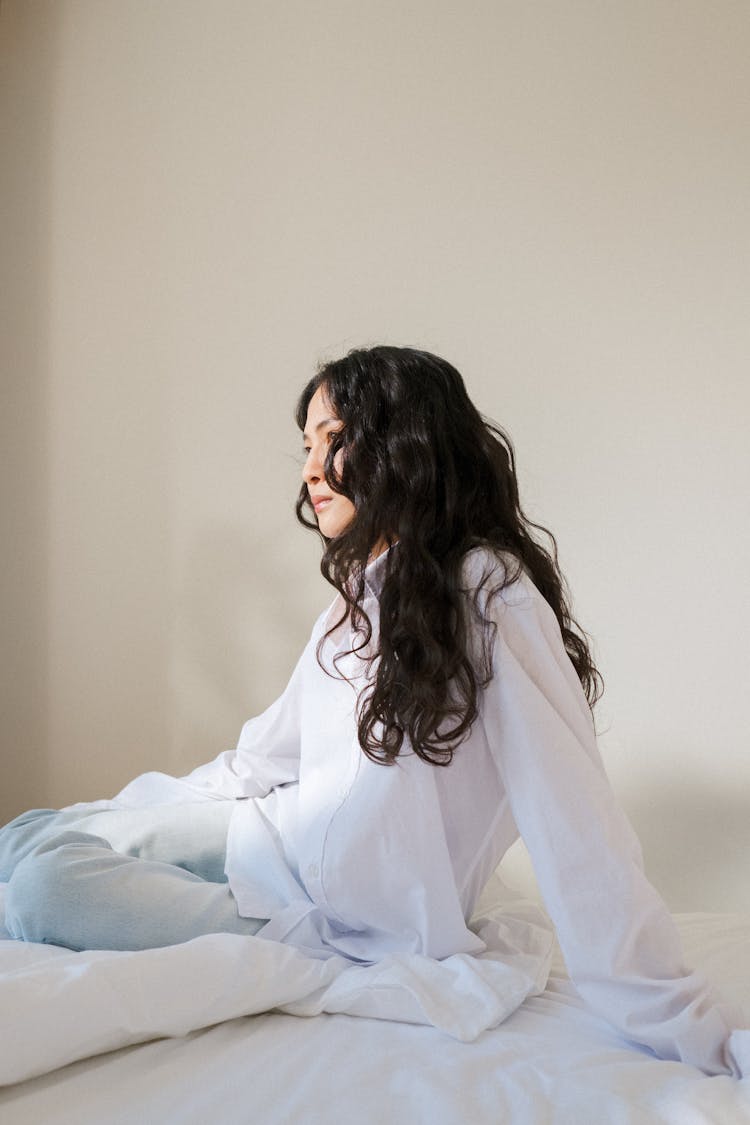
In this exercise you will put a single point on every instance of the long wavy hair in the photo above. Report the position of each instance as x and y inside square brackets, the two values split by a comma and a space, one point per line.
[428, 475]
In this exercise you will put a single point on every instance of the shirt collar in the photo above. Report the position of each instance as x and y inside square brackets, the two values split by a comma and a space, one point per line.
[375, 574]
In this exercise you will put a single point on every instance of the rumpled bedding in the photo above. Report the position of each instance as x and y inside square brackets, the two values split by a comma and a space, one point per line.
[550, 1060]
[57, 1006]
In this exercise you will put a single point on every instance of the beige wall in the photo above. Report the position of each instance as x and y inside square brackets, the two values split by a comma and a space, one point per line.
[205, 199]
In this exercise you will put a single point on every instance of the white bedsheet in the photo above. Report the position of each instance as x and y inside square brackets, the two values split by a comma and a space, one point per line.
[549, 1061]
[57, 1006]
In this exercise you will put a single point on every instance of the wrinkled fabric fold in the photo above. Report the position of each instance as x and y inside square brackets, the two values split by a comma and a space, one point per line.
[56, 1007]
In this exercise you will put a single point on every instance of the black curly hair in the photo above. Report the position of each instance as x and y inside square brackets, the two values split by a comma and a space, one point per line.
[430, 476]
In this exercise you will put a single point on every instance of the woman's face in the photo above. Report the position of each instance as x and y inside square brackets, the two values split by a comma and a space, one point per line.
[334, 511]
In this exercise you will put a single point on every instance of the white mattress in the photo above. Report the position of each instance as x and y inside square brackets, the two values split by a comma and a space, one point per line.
[550, 1061]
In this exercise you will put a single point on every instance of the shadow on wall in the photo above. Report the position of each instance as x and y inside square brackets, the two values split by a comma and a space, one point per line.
[696, 845]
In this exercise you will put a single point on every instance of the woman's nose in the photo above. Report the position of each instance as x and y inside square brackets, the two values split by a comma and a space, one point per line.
[311, 471]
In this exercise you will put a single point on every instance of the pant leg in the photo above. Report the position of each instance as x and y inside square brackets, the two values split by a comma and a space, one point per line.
[23, 835]
[75, 891]
[190, 835]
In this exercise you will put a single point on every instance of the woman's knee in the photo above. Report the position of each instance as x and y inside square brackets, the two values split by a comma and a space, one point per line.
[20, 836]
[41, 892]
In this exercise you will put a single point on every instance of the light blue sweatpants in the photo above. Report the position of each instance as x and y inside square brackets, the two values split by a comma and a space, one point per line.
[119, 879]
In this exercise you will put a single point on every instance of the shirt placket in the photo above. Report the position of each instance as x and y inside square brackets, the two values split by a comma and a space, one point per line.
[335, 782]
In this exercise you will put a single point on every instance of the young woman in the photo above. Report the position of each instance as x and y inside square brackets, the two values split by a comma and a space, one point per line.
[441, 706]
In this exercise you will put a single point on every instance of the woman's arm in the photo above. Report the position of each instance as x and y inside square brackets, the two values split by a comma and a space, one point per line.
[266, 755]
[619, 942]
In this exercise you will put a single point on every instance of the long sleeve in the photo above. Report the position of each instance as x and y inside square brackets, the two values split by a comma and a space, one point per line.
[619, 942]
[267, 755]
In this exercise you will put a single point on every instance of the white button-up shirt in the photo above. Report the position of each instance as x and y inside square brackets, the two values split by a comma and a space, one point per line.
[346, 856]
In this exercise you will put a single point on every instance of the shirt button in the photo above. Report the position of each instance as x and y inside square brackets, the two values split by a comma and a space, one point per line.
[313, 871]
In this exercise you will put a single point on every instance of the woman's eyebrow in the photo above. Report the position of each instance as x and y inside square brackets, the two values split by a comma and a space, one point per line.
[320, 425]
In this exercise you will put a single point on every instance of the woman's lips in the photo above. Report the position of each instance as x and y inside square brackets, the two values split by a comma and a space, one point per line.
[320, 502]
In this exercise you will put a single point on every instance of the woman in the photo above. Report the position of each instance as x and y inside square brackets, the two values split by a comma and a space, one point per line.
[442, 706]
